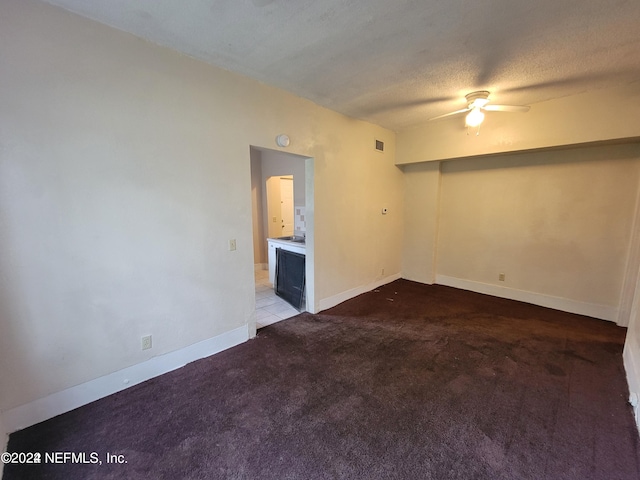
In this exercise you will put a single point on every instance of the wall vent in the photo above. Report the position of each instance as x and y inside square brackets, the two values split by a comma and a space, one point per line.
[380, 145]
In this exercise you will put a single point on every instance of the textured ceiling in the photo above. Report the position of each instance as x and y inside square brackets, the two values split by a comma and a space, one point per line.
[397, 63]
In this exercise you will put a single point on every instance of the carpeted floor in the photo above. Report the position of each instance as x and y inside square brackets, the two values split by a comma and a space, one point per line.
[406, 382]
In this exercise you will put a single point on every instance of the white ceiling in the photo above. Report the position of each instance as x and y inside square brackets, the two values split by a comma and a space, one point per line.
[397, 63]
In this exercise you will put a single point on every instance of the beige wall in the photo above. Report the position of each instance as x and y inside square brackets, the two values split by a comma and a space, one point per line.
[124, 173]
[258, 212]
[421, 205]
[555, 223]
[558, 224]
[605, 115]
[275, 163]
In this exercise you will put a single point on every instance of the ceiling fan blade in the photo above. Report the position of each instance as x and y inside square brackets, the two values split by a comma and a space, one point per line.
[450, 113]
[506, 108]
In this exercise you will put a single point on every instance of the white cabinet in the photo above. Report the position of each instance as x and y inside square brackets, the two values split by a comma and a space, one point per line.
[286, 245]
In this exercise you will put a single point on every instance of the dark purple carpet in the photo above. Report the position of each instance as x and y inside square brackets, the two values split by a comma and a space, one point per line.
[406, 382]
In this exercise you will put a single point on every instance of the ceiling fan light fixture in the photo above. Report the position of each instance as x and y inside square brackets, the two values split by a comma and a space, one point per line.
[474, 117]
[477, 103]
[477, 99]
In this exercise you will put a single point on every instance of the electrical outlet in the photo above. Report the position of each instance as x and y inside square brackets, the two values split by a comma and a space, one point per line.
[501, 277]
[146, 342]
[232, 244]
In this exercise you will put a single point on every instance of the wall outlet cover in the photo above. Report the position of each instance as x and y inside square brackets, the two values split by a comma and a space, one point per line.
[146, 342]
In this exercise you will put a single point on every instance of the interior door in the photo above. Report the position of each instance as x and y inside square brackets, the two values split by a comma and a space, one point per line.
[286, 205]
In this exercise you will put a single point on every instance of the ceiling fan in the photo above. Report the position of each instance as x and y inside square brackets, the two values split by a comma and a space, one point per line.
[476, 103]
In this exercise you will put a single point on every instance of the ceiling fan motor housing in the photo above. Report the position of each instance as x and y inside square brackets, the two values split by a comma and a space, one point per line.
[477, 99]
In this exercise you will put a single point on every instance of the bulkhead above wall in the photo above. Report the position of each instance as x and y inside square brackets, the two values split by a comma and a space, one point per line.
[592, 118]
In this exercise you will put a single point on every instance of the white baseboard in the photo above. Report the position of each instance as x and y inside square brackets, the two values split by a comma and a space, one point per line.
[630, 353]
[44, 408]
[334, 300]
[630, 366]
[603, 312]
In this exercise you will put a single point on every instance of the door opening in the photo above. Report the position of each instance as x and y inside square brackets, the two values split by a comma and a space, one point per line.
[282, 206]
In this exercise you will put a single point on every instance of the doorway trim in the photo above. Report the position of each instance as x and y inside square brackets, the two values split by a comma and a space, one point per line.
[309, 182]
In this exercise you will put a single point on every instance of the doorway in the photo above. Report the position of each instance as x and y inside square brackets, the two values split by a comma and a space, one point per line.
[280, 206]
[287, 212]
[286, 204]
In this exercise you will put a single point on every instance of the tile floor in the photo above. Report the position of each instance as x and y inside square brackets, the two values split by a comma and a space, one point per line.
[269, 307]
